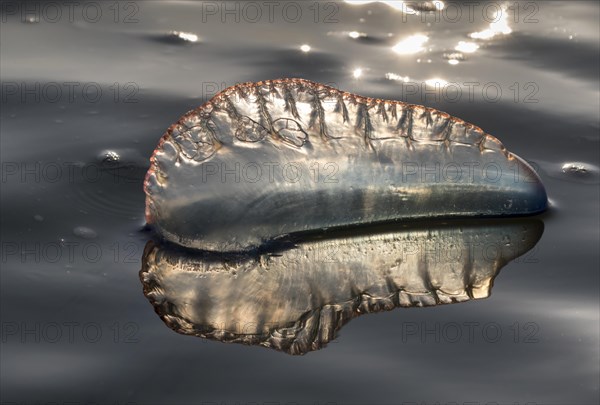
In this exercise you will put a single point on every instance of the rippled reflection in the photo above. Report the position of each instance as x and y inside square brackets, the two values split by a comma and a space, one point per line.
[296, 299]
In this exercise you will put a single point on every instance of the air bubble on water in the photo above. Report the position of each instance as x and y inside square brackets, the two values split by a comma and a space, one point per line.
[84, 232]
[109, 156]
[573, 171]
[575, 167]
[584, 172]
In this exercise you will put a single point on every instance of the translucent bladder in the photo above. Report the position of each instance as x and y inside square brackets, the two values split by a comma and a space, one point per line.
[264, 160]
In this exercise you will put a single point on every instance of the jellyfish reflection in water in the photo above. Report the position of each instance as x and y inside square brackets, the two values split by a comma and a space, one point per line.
[296, 298]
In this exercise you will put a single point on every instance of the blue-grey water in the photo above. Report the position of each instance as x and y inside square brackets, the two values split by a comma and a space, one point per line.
[88, 89]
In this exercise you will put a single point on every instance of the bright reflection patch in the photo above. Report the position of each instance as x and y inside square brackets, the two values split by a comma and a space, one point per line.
[466, 47]
[186, 36]
[397, 78]
[356, 34]
[436, 81]
[410, 7]
[411, 45]
[498, 26]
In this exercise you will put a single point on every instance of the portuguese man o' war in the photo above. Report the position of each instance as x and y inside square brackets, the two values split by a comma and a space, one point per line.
[296, 300]
[261, 161]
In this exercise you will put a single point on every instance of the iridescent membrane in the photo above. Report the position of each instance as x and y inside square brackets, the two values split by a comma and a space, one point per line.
[264, 160]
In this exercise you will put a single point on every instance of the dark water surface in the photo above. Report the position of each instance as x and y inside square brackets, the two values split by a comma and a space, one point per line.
[84, 103]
